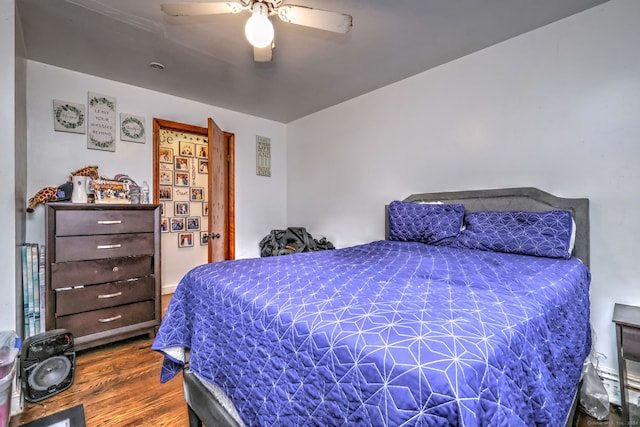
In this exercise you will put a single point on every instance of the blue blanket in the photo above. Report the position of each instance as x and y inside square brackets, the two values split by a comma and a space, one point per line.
[386, 333]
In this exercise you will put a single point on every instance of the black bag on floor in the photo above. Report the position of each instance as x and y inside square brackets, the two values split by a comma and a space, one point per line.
[291, 240]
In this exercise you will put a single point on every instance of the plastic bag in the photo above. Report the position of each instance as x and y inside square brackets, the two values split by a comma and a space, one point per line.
[9, 349]
[594, 398]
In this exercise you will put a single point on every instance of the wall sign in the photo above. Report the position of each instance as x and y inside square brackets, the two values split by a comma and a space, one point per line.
[68, 117]
[132, 128]
[101, 132]
[263, 156]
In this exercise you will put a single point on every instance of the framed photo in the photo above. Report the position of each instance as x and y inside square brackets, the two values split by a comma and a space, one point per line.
[205, 209]
[166, 155]
[181, 163]
[68, 117]
[193, 223]
[161, 204]
[165, 177]
[181, 179]
[110, 191]
[181, 208]
[185, 240]
[197, 194]
[101, 122]
[164, 225]
[177, 225]
[187, 148]
[132, 128]
[204, 238]
[202, 151]
[203, 166]
[166, 192]
[166, 166]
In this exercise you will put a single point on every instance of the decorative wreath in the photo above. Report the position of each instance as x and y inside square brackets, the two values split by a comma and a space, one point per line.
[136, 135]
[69, 108]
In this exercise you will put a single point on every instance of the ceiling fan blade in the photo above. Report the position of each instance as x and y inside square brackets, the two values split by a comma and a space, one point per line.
[316, 18]
[262, 54]
[211, 8]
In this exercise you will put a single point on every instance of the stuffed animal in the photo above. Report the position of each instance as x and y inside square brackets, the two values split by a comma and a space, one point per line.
[62, 192]
[90, 171]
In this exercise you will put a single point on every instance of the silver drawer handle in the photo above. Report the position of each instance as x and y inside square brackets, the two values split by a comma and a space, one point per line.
[105, 222]
[110, 319]
[115, 269]
[109, 246]
[105, 296]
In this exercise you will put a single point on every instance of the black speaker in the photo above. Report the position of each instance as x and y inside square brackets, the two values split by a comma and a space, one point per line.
[47, 364]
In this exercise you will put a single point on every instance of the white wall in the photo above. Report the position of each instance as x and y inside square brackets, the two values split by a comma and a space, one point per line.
[7, 166]
[53, 155]
[557, 108]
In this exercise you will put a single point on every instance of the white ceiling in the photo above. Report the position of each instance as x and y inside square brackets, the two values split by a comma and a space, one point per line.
[207, 58]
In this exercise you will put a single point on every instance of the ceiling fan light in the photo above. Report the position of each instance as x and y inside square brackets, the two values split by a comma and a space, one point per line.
[259, 29]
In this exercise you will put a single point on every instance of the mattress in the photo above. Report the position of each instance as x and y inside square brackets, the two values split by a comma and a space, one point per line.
[386, 333]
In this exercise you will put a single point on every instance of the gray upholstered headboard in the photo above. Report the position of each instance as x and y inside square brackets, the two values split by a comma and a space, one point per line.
[514, 199]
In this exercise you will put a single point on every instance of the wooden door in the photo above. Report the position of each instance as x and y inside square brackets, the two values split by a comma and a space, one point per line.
[205, 193]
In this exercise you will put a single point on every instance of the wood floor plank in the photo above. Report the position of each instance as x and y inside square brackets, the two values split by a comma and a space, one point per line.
[119, 385]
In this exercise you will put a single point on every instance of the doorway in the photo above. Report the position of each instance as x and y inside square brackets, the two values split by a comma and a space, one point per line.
[194, 185]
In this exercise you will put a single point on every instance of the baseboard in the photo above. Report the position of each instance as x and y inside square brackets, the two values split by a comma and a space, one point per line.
[611, 382]
[168, 289]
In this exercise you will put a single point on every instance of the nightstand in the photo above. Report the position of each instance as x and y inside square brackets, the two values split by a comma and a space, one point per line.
[627, 320]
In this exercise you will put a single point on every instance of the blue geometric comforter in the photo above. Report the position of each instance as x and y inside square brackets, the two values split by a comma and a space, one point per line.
[386, 334]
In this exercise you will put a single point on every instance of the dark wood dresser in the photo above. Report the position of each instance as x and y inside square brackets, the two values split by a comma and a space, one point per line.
[102, 271]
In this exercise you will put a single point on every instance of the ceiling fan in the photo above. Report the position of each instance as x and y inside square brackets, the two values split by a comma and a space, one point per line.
[259, 29]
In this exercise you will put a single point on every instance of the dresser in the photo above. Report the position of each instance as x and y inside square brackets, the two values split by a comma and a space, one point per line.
[627, 321]
[102, 271]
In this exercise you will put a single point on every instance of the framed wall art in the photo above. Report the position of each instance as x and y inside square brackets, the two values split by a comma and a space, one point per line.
[68, 117]
[202, 151]
[165, 177]
[101, 122]
[193, 223]
[132, 128]
[166, 155]
[177, 225]
[185, 240]
[164, 225]
[166, 192]
[203, 166]
[204, 238]
[187, 149]
[181, 179]
[181, 164]
[181, 208]
[197, 194]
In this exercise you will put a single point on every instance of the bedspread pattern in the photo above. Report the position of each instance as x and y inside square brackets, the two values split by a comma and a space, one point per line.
[387, 333]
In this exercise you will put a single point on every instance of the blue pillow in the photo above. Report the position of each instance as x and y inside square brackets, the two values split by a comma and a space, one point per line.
[544, 234]
[423, 222]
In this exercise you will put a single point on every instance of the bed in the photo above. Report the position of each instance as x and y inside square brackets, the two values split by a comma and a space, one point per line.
[404, 331]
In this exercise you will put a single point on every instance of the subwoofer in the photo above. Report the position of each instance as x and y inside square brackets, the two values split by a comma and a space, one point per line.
[47, 364]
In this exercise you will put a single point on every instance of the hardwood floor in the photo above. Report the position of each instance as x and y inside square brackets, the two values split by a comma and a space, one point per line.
[119, 385]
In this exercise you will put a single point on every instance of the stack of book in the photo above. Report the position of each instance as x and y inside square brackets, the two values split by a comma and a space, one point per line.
[33, 288]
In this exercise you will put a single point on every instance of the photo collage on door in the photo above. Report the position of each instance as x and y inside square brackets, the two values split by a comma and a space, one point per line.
[183, 184]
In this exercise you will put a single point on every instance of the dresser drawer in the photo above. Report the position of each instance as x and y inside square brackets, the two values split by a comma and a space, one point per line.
[78, 273]
[92, 322]
[70, 301]
[631, 343]
[82, 222]
[77, 248]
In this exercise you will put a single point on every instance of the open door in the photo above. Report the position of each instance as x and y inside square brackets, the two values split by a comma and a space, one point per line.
[219, 190]
[193, 183]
